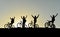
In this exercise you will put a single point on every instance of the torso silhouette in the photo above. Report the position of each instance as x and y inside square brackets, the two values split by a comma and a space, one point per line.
[12, 20]
[53, 19]
[24, 20]
[35, 19]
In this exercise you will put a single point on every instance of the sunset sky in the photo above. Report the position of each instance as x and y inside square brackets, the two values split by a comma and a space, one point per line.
[18, 8]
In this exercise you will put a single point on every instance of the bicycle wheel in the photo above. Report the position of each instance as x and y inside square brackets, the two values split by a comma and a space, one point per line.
[36, 26]
[53, 26]
[6, 26]
[30, 25]
[19, 25]
[46, 25]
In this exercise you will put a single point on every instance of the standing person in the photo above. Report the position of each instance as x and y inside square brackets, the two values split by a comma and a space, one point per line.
[53, 18]
[35, 19]
[12, 21]
[24, 21]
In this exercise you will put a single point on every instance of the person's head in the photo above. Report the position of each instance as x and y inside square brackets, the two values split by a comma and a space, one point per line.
[53, 16]
[35, 16]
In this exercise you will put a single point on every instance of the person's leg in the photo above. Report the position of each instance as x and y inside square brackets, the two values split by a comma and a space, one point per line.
[34, 24]
[23, 26]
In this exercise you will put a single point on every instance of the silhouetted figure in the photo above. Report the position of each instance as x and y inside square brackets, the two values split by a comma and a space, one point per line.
[9, 24]
[51, 23]
[24, 21]
[12, 21]
[53, 18]
[35, 19]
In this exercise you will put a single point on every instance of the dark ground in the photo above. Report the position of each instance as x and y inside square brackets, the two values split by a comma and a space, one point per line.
[30, 30]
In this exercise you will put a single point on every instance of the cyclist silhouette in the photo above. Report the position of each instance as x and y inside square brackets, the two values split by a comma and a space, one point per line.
[53, 18]
[51, 23]
[12, 20]
[35, 19]
[9, 24]
[24, 21]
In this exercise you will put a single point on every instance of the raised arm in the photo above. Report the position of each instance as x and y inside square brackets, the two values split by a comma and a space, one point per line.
[50, 16]
[37, 16]
[14, 17]
[32, 16]
[10, 17]
[56, 14]
[21, 16]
